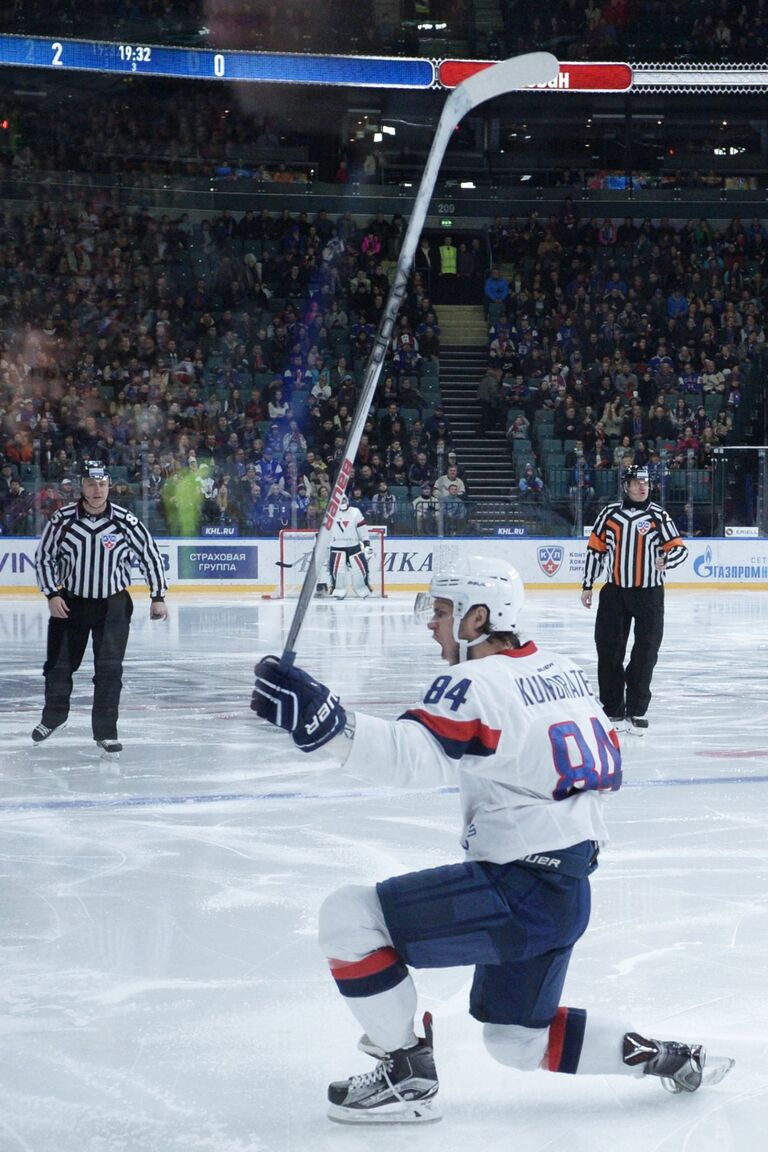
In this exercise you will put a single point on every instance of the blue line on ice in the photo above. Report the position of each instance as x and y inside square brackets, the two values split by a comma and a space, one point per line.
[357, 794]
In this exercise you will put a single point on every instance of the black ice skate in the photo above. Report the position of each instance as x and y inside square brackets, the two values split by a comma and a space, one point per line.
[42, 731]
[109, 749]
[680, 1067]
[400, 1089]
[637, 725]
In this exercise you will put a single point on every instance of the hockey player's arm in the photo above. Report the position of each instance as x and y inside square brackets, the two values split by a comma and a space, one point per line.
[291, 699]
[364, 537]
[395, 754]
[454, 724]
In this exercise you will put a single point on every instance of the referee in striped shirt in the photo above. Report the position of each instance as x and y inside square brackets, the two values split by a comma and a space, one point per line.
[84, 569]
[635, 542]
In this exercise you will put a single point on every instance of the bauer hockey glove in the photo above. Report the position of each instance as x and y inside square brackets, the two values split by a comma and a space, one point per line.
[294, 701]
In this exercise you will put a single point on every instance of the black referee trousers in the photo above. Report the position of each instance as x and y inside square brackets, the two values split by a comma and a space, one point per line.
[108, 621]
[627, 690]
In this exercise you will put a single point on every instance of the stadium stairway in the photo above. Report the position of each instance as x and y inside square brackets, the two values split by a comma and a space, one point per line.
[485, 461]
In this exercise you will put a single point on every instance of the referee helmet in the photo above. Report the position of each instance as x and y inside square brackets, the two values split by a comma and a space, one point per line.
[93, 470]
[636, 472]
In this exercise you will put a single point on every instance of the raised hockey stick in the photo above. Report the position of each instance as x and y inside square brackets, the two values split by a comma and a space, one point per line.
[507, 76]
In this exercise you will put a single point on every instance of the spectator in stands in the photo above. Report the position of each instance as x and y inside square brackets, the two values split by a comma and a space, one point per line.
[420, 471]
[635, 423]
[568, 423]
[599, 453]
[429, 342]
[623, 452]
[449, 479]
[448, 255]
[489, 400]
[409, 395]
[424, 261]
[519, 429]
[451, 511]
[530, 485]
[496, 295]
[660, 425]
[17, 510]
[384, 506]
[7, 473]
[516, 393]
[425, 508]
[688, 441]
[581, 486]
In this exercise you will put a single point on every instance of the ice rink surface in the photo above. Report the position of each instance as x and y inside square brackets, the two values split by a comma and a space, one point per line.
[161, 986]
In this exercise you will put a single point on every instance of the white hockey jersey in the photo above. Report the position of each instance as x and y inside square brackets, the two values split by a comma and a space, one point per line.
[522, 735]
[350, 529]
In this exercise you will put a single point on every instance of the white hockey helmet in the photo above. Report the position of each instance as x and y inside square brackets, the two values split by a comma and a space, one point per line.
[478, 580]
[343, 503]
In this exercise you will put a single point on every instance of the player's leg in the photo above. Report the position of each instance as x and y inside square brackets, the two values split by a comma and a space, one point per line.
[378, 988]
[525, 1026]
[359, 573]
[577, 1042]
[437, 918]
[333, 560]
[338, 573]
[110, 638]
[368, 972]
[612, 624]
[648, 606]
[67, 641]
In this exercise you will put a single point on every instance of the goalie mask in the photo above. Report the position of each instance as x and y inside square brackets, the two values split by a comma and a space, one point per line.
[344, 503]
[476, 580]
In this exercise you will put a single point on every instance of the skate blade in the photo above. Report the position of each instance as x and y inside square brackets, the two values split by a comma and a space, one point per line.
[716, 1069]
[108, 757]
[419, 1112]
[57, 729]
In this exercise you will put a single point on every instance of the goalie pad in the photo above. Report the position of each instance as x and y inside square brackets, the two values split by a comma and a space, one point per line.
[358, 566]
[337, 566]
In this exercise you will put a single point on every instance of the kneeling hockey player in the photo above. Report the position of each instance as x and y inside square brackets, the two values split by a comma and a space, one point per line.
[536, 759]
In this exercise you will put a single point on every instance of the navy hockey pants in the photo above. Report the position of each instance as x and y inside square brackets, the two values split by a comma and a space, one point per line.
[517, 925]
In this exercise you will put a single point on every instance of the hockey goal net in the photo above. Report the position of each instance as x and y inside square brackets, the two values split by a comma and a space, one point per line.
[296, 546]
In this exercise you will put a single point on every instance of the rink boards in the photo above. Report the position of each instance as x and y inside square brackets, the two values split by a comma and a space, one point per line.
[239, 564]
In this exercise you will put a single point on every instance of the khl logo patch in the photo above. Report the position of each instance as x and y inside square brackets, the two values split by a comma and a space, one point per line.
[550, 557]
[108, 540]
